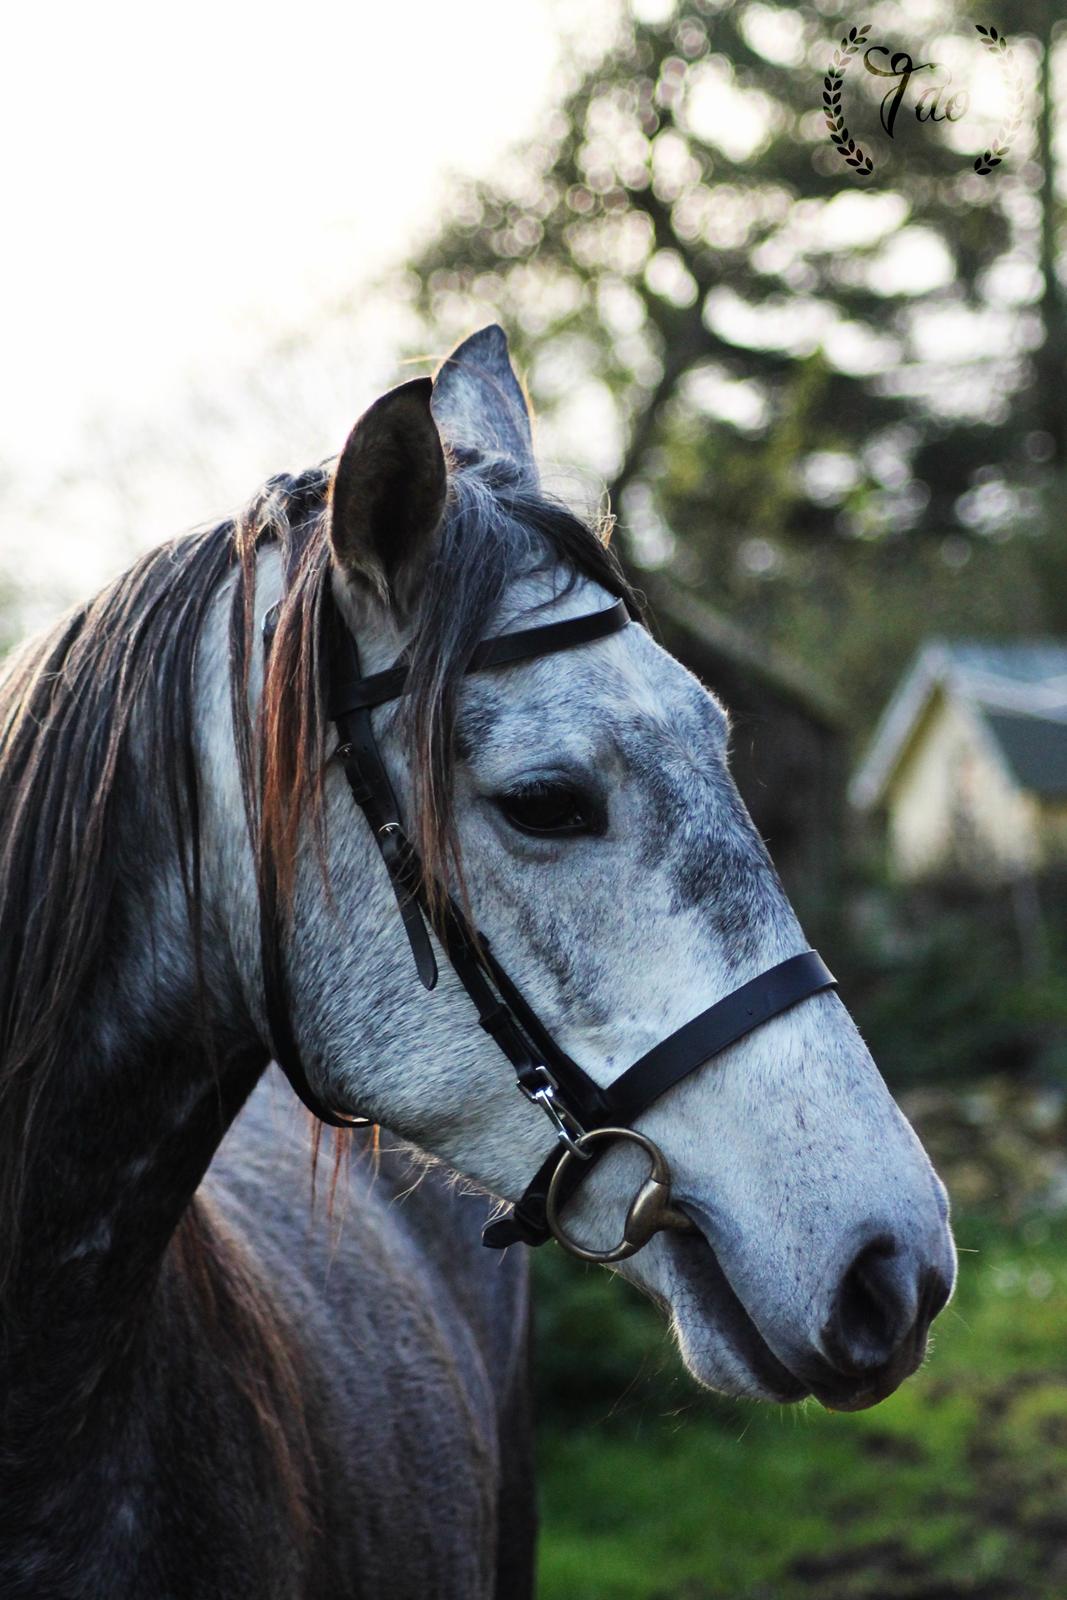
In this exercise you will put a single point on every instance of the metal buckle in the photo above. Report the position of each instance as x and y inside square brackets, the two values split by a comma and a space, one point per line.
[568, 1129]
[650, 1209]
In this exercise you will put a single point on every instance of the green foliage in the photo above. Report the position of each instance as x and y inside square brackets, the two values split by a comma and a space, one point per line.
[623, 1338]
[955, 983]
[954, 1487]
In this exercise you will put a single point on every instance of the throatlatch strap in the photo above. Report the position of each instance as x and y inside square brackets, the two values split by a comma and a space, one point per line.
[667, 1063]
[280, 1040]
[371, 789]
[351, 699]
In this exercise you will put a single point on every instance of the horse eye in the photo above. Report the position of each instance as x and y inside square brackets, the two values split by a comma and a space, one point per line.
[549, 809]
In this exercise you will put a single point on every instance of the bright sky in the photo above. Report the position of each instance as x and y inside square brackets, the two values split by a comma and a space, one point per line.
[194, 198]
[185, 187]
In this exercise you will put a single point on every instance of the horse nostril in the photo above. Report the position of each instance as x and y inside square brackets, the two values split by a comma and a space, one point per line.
[876, 1308]
[934, 1292]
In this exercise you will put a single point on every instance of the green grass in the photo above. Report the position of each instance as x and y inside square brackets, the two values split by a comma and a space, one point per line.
[956, 1486]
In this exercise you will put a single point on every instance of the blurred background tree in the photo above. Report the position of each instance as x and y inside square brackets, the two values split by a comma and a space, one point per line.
[831, 403]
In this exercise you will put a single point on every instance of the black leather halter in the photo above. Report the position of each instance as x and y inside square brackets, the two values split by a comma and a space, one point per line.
[575, 1104]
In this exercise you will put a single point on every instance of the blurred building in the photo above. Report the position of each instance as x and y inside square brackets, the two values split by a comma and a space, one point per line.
[969, 762]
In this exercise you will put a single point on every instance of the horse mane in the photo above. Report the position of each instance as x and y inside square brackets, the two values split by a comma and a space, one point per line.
[251, 1340]
[110, 688]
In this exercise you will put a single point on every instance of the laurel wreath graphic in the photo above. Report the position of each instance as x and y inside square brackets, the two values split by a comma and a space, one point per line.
[998, 45]
[832, 85]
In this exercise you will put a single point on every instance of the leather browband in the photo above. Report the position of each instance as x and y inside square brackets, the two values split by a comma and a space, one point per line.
[545, 1073]
[353, 694]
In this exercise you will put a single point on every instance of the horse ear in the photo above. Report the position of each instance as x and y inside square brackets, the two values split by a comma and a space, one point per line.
[478, 401]
[388, 492]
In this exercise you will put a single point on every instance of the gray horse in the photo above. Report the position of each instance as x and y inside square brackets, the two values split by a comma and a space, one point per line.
[211, 1389]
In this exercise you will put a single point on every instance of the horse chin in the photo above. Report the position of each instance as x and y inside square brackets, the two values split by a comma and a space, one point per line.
[720, 1344]
[724, 1350]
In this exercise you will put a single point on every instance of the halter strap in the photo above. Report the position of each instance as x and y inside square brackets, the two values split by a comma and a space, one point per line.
[351, 700]
[549, 1077]
[667, 1063]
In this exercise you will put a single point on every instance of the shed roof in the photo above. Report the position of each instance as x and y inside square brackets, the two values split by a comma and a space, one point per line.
[1018, 689]
[1035, 750]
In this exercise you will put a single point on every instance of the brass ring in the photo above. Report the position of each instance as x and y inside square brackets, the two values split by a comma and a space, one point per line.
[650, 1210]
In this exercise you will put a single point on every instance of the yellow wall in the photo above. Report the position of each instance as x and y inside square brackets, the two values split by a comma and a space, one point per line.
[953, 807]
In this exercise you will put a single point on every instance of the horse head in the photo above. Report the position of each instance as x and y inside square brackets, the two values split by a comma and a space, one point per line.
[577, 808]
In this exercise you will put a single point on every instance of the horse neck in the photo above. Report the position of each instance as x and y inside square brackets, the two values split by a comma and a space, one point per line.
[115, 1155]
[146, 1377]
